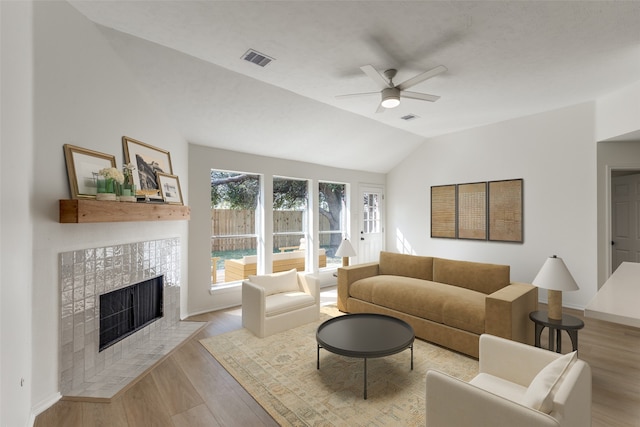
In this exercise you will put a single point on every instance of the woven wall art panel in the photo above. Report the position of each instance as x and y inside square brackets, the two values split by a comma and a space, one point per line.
[472, 211]
[443, 211]
[505, 211]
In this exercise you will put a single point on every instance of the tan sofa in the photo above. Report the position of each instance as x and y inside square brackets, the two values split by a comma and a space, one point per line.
[447, 302]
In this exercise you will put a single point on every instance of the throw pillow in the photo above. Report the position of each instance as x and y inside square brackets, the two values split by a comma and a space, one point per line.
[540, 392]
[276, 283]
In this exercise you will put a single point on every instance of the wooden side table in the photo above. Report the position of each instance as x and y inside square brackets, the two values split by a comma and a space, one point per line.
[568, 323]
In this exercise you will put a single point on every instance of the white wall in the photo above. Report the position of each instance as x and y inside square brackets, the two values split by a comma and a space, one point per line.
[201, 161]
[16, 180]
[555, 154]
[83, 95]
[618, 113]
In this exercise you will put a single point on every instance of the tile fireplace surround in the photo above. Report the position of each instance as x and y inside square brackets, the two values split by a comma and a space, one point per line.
[88, 273]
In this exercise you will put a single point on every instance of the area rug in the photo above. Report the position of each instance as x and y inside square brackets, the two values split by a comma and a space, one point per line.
[280, 373]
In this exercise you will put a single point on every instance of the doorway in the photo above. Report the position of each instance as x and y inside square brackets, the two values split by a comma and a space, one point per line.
[371, 224]
[625, 217]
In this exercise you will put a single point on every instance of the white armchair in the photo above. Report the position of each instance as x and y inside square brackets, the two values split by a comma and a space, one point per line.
[276, 302]
[513, 379]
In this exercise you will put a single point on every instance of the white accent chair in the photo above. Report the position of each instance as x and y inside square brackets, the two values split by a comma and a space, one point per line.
[513, 379]
[276, 302]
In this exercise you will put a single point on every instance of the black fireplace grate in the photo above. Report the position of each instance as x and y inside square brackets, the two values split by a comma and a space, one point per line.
[127, 310]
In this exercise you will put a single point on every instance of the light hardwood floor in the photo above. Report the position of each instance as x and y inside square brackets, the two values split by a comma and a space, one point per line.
[190, 388]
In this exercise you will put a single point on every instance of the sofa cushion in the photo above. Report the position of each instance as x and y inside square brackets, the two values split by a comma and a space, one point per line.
[286, 302]
[274, 283]
[419, 267]
[480, 277]
[465, 310]
[457, 307]
[496, 385]
[541, 391]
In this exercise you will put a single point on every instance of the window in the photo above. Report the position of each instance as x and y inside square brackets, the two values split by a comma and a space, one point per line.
[237, 220]
[332, 220]
[371, 209]
[290, 203]
[234, 199]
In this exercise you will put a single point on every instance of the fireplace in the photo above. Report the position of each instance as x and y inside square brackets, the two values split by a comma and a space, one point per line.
[87, 367]
[127, 310]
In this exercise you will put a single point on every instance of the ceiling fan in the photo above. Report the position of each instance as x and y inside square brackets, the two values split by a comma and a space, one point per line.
[391, 93]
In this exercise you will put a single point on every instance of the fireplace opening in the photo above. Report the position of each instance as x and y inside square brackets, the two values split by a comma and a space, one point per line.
[127, 310]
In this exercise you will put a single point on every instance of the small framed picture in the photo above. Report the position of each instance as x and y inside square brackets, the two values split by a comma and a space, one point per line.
[83, 166]
[170, 188]
[148, 160]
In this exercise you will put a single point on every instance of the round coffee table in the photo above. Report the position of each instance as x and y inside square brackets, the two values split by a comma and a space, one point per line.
[365, 335]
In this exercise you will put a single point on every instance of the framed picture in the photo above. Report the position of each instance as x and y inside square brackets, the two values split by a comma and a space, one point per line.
[170, 188]
[505, 210]
[148, 160]
[443, 211]
[472, 211]
[82, 168]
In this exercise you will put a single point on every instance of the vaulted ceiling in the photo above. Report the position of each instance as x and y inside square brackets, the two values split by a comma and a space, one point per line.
[505, 59]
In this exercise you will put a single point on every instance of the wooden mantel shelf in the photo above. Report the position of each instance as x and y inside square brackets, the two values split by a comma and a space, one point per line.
[90, 210]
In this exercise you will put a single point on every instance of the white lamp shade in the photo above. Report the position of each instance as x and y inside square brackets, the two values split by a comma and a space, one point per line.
[554, 275]
[345, 249]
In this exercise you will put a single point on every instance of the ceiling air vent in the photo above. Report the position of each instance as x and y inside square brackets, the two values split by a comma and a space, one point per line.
[257, 58]
[409, 117]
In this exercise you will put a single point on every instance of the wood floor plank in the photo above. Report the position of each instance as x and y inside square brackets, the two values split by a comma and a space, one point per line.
[199, 416]
[144, 407]
[174, 387]
[222, 394]
[104, 414]
[63, 413]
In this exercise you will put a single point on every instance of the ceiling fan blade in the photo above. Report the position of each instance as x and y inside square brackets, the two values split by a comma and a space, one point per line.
[375, 76]
[420, 96]
[355, 95]
[422, 77]
[380, 109]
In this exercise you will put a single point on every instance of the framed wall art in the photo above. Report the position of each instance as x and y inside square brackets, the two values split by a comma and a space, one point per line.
[83, 166]
[505, 210]
[443, 211]
[170, 188]
[148, 160]
[472, 211]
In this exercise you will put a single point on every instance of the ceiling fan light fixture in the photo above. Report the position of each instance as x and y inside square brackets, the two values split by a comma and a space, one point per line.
[390, 97]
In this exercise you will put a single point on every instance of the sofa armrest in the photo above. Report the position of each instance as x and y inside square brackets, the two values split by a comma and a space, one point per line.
[253, 305]
[310, 285]
[348, 275]
[452, 402]
[507, 312]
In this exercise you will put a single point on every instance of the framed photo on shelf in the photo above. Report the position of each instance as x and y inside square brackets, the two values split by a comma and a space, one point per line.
[83, 166]
[149, 161]
[472, 211]
[443, 211]
[170, 188]
[505, 211]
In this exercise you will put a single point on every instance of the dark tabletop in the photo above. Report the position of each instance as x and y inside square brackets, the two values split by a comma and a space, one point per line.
[365, 335]
[566, 323]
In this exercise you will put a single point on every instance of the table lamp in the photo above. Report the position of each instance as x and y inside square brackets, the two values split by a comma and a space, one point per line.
[555, 277]
[345, 250]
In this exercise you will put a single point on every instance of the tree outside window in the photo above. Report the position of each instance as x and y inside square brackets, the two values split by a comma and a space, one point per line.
[234, 200]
